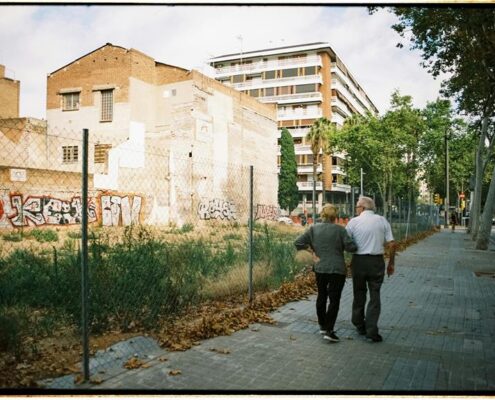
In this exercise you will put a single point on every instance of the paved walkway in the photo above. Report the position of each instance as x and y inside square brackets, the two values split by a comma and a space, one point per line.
[437, 321]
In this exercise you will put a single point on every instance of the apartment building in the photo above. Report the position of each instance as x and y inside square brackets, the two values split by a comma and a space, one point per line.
[306, 82]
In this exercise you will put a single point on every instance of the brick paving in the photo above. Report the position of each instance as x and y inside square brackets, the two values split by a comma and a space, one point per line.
[437, 322]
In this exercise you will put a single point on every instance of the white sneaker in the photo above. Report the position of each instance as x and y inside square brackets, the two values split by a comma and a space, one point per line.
[331, 337]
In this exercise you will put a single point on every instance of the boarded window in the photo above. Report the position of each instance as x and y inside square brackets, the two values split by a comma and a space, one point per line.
[70, 154]
[106, 105]
[101, 153]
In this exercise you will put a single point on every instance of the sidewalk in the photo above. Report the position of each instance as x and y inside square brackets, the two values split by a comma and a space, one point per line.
[437, 322]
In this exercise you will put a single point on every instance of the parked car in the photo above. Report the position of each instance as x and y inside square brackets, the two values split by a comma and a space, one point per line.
[285, 220]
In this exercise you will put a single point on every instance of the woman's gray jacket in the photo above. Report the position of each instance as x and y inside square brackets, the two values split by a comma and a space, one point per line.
[328, 241]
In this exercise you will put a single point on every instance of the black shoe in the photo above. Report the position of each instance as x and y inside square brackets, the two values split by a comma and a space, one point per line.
[375, 339]
[361, 331]
[331, 336]
[322, 330]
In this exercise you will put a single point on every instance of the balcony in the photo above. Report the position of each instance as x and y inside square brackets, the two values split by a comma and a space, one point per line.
[308, 169]
[309, 114]
[338, 119]
[267, 65]
[309, 186]
[293, 98]
[258, 83]
[336, 102]
[336, 187]
[338, 72]
[337, 84]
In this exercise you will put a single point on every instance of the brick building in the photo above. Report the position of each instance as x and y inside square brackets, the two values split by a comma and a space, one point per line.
[166, 144]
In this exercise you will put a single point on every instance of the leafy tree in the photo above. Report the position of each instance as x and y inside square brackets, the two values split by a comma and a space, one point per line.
[288, 193]
[385, 148]
[460, 42]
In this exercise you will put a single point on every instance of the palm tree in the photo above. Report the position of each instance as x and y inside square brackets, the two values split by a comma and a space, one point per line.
[318, 138]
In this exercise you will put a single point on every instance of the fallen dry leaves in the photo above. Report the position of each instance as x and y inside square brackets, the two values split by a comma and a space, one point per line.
[60, 354]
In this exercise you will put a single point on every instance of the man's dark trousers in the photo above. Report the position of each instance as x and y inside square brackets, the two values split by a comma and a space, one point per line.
[368, 272]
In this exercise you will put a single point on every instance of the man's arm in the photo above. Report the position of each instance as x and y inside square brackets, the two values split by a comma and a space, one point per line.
[391, 257]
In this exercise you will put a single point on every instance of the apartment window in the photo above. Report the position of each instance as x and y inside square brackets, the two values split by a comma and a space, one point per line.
[70, 101]
[269, 91]
[70, 154]
[101, 153]
[290, 72]
[254, 93]
[306, 88]
[270, 74]
[284, 90]
[106, 105]
[310, 71]
[238, 78]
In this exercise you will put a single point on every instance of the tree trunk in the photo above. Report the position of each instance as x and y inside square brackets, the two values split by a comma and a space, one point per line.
[485, 229]
[315, 160]
[474, 216]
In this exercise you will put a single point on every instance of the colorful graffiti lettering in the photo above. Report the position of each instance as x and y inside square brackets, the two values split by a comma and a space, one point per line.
[267, 212]
[118, 210]
[45, 210]
[217, 209]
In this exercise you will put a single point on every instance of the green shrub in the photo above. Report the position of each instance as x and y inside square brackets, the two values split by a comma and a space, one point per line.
[44, 235]
[13, 237]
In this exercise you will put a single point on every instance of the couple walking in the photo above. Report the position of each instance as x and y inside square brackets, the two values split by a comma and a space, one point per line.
[366, 236]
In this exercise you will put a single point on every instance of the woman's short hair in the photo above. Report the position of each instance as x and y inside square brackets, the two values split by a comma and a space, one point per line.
[328, 212]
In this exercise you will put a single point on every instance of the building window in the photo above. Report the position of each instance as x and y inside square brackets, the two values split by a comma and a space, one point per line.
[269, 91]
[290, 72]
[254, 93]
[70, 154]
[270, 74]
[101, 153]
[106, 105]
[305, 88]
[238, 78]
[70, 101]
[309, 71]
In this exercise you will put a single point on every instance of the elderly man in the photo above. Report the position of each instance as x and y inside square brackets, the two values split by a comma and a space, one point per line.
[371, 233]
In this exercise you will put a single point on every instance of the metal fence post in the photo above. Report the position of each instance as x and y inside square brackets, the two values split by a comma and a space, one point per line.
[251, 222]
[84, 258]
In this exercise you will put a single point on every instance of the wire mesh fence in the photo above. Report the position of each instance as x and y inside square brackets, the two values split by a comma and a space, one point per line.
[168, 229]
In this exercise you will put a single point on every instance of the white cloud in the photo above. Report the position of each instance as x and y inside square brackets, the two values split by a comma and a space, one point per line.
[38, 40]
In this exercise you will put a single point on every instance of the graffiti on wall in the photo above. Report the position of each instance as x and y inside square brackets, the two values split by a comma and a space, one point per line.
[19, 211]
[47, 210]
[217, 209]
[119, 210]
[264, 211]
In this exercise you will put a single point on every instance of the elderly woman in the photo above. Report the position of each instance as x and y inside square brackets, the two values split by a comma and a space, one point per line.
[328, 241]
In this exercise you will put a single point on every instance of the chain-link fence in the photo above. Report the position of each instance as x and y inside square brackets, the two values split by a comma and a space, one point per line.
[169, 230]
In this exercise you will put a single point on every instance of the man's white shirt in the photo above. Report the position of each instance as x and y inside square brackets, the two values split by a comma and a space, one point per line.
[370, 232]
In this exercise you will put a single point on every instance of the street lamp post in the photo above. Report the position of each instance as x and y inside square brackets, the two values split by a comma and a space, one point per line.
[362, 173]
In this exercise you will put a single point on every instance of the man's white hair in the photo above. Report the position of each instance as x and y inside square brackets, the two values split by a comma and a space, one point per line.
[367, 203]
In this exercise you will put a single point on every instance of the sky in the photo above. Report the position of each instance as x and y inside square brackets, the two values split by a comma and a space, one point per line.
[37, 40]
